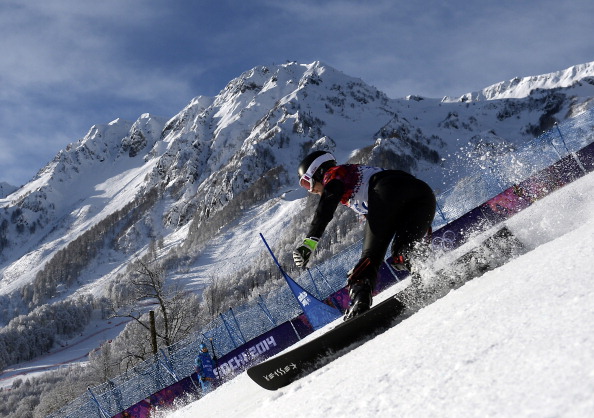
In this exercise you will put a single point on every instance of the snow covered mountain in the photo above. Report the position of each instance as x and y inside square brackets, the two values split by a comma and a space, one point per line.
[519, 88]
[108, 198]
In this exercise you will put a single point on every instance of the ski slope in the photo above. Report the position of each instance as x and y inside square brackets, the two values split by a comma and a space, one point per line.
[67, 353]
[516, 342]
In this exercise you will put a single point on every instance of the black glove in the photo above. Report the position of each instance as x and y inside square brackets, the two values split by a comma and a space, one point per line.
[301, 254]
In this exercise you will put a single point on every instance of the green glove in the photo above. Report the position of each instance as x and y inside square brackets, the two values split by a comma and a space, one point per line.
[301, 254]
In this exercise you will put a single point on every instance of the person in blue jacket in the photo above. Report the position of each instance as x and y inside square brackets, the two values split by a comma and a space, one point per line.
[398, 208]
[205, 369]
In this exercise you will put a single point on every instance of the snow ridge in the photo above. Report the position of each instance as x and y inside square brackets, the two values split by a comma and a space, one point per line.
[518, 88]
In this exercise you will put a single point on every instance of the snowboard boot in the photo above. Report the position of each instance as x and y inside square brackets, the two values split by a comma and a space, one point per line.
[361, 280]
[360, 294]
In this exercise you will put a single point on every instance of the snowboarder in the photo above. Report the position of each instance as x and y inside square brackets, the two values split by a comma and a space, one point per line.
[204, 369]
[398, 208]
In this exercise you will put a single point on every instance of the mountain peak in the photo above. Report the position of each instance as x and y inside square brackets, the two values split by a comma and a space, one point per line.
[518, 88]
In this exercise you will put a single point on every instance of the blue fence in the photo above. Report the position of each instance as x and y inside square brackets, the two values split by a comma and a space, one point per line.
[500, 172]
[248, 321]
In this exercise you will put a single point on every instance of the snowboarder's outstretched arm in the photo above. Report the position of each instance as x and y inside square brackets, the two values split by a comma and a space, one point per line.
[327, 205]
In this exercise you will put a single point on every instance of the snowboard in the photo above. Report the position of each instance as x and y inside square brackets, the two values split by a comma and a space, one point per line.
[283, 369]
[279, 371]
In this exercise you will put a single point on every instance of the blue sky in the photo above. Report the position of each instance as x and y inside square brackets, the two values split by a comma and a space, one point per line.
[66, 65]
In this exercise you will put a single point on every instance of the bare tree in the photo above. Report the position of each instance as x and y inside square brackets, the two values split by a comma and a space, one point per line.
[102, 362]
[213, 296]
[175, 310]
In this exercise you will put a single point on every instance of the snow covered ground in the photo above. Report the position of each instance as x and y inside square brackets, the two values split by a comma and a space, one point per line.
[516, 342]
[68, 353]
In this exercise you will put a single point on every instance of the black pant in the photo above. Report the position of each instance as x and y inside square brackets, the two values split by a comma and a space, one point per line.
[400, 210]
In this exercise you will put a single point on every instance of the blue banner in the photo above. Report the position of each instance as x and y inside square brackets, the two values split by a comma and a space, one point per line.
[318, 313]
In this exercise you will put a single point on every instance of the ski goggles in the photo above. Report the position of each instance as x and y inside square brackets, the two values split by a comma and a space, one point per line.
[306, 180]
